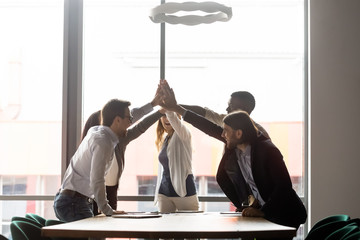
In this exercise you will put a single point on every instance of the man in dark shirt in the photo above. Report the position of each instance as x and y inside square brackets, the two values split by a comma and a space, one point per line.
[240, 100]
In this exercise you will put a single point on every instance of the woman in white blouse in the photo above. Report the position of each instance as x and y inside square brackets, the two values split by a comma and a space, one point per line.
[175, 190]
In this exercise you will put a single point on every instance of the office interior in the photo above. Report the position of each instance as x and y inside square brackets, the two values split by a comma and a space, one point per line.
[333, 113]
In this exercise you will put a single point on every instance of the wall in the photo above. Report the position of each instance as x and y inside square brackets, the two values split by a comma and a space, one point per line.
[335, 108]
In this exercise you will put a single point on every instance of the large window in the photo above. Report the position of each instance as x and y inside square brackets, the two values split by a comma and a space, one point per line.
[260, 50]
[30, 103]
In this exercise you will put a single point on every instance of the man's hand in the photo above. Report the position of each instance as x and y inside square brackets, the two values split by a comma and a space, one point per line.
[118, 212]
[168, 100]
[157, 98]
[252, 212]
[167, 95]
[162, 110]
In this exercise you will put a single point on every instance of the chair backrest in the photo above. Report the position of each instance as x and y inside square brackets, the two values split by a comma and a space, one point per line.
[3, 237]
[24, 219]
[354, 236]
[323, 231]
[342, 233]
[334, 228]
[21, 230]
[36, 217]
[333, 218]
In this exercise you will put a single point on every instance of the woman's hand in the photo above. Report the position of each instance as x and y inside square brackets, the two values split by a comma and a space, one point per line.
[168, 100]
[162, 111]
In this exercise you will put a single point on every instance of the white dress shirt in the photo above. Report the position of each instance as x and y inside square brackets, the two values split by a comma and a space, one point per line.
[90, 163]
[244, 161]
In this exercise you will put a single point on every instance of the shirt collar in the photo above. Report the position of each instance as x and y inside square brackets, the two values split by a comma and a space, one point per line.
[114, 138]
[247, 151]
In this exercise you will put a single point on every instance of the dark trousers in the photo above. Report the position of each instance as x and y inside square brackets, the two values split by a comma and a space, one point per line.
[72, 208]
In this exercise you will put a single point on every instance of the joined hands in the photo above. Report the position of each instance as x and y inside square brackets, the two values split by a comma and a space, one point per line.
[168, 100]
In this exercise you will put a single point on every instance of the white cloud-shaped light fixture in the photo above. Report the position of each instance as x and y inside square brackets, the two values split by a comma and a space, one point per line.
[162, 13]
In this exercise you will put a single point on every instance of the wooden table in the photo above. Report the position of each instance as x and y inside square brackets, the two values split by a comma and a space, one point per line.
[175, 225]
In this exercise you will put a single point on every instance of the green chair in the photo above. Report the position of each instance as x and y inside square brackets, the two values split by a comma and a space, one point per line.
[327, 226]
[325, 230]
[334, 227]
[24, 219]
[21, 230]
[354, 236]
[342, 233]
[333, 218]
[36, 217]
[3, 237]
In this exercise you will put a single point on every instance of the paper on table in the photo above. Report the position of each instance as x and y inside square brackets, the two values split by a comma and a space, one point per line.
[137, 215]
[189, 211]
[237, 213]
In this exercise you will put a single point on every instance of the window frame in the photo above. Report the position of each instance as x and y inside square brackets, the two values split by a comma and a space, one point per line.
[72, 102]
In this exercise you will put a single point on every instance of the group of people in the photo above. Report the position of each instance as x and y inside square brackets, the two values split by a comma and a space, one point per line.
[251, 173]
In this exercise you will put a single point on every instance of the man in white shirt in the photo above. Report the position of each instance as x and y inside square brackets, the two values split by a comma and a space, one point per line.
[113, 175]
[84, 178]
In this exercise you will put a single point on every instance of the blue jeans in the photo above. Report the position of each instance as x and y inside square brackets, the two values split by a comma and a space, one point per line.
[70, 209]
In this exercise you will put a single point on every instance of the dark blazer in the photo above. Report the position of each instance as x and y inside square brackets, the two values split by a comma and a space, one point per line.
[282, 204]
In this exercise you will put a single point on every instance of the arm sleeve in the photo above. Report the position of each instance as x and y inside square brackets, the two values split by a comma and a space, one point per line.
[138, 113]
[204, 125]
[178, 126]
[101, 152]
[142, 126]
[214, 117]
[196, 109]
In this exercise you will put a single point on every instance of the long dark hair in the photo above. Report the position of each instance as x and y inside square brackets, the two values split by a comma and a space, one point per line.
[241, 120]
[93, 120]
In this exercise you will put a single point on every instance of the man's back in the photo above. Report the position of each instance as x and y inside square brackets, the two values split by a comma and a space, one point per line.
[99, 140]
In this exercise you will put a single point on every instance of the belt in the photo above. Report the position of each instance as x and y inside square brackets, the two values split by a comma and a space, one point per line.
[72, 193]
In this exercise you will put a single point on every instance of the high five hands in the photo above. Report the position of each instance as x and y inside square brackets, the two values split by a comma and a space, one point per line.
[167, 96]
[168, 100]
[157, 98]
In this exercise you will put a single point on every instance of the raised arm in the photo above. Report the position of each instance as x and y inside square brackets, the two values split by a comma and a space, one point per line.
[138, 113]
[178, 126]
[204, 125]
[194, 108]
[142, 126]
[209, 114]
[169, 102]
